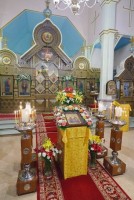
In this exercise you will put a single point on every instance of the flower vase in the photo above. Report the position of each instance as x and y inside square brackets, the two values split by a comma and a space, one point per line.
[48, 169]
[92, 161]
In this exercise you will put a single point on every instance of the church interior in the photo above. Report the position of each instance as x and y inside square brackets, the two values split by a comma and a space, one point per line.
[84, 50]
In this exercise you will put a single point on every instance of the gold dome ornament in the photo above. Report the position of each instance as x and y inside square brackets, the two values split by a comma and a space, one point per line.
[6, 60]
[47, 37]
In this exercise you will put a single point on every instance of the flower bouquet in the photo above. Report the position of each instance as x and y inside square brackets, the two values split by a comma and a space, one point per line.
[69, 96]
[61, 118]
[95, 147]
[47, 152]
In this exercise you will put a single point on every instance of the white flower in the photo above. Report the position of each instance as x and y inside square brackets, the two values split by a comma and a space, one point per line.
[48, 157]
[60, 121]
[58, 114]
[68, 101]
[54, 154]
[44, 154]
[56, 150]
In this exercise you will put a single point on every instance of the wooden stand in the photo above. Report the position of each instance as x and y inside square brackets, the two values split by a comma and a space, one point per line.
[114, 169]
[99, 131]
[27, 177]
[100, 128]
[113, 164]
[25, 187]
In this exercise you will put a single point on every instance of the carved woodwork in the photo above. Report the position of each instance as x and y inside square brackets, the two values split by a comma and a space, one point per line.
[125, 84]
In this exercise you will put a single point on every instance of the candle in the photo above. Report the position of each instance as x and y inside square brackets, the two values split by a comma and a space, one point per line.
[110, 111]
[118, 111]
[25, 115]
[100, 106]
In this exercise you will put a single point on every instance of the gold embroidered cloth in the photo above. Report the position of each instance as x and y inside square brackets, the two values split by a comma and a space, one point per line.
[125, 116]
[73, 142]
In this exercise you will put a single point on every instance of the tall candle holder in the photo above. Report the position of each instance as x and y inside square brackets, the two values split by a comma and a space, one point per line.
[113, 164]
[27, 178]
[99, 131]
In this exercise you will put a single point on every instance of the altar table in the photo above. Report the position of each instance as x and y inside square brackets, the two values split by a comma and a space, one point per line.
[73, 142]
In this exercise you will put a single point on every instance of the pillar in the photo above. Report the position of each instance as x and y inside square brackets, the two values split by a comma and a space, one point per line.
[107, 39]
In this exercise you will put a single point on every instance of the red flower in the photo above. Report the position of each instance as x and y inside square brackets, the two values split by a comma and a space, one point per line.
[69, 89]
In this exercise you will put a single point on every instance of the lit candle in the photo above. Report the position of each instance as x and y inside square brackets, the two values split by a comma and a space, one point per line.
[25, 115]
[100, 106]
[118, 111]
[110, 111]
[95, 102]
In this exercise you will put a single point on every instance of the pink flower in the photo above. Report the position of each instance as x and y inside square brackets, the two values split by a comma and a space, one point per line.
[63, 123]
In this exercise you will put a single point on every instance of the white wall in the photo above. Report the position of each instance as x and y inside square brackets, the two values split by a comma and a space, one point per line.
[120, 56]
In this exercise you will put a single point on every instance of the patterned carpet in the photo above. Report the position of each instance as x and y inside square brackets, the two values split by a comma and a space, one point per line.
[103, 186]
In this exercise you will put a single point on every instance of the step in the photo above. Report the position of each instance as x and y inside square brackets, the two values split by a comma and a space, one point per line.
[7, 122]
[9, 132]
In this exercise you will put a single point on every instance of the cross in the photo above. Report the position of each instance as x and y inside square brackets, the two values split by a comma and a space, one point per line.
[130, 12]
[94, 20]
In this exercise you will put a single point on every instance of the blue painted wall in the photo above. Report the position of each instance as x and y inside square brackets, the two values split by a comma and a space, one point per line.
[19, 32]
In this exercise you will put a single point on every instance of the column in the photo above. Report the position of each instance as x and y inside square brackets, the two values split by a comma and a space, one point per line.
[107, 38]
[106, 74]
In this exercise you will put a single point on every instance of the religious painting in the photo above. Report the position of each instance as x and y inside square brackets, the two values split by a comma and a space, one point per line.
[47, 37]
[24, 87]
[111, 88]
[53, 78]
[40, 78]
[6, 85]
[53, 88]
[74, 118]
[81, 85]
[40, 88]
[127, 88]
[68, 81]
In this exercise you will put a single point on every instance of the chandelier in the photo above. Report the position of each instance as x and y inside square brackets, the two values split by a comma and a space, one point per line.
[76, 6]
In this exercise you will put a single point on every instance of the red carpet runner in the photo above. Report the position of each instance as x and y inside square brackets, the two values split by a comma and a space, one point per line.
[97, 185]
[7, 116]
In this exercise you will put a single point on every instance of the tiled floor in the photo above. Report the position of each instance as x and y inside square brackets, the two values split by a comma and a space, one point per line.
[10, 150]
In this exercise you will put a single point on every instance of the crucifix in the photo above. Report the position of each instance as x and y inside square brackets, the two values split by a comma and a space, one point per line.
[94, 21]
[130, 12]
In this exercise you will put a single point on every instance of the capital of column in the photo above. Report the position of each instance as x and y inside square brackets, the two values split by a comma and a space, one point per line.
[114, 31]
[102, 2]
[110, 31]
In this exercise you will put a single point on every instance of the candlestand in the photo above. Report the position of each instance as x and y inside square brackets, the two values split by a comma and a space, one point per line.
[27, 178]
[113, 164]
[99, 131]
